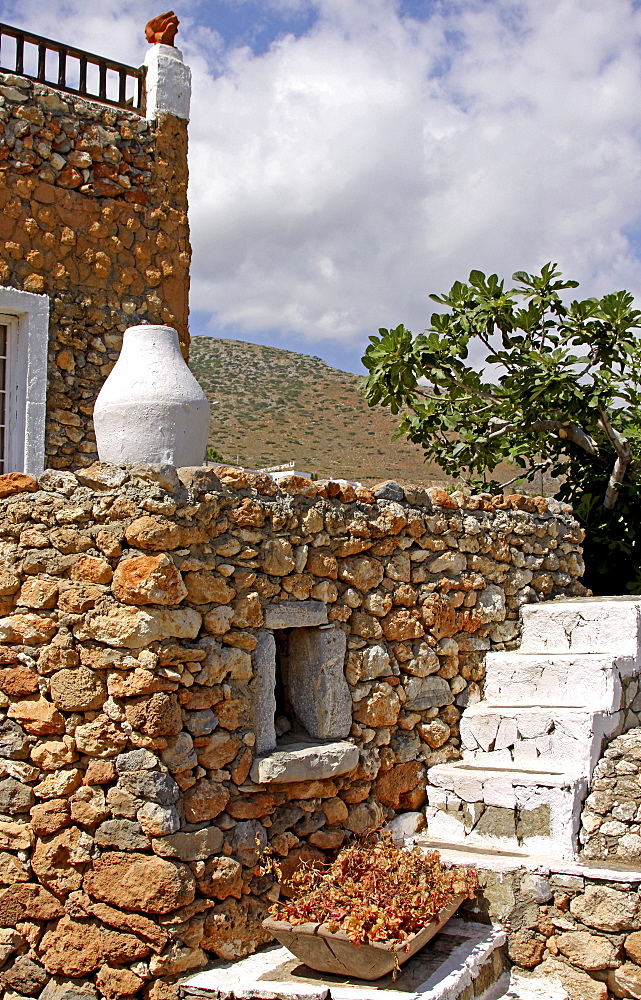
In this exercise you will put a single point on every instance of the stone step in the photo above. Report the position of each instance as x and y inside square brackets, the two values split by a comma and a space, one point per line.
[462, 962]
[576, 680]
[551, 738]
[584, 625]
[529, 811]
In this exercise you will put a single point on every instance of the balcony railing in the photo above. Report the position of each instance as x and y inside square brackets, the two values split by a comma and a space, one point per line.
[71, 70]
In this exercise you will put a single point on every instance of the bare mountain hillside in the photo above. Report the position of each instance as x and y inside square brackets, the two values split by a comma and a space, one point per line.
[276, 406]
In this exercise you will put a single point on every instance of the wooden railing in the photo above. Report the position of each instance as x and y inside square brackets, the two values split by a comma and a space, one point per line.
[71, 70]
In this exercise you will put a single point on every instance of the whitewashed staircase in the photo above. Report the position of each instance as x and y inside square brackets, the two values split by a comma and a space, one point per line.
[530, 747]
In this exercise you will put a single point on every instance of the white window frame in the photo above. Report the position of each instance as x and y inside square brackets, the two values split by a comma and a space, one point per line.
[26, 317]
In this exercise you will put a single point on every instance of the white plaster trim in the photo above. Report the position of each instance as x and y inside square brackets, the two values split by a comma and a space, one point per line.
[31, 332]
[167, 83]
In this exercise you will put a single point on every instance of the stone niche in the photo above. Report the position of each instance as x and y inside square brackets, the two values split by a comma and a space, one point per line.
[303, 697]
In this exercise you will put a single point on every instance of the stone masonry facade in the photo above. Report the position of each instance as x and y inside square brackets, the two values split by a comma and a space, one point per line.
[611, 818]
[93, 213]
[136, 607]
[579, 925]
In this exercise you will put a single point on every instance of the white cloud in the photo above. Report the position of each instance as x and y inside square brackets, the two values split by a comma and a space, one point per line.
[336, 180]
[341, 176]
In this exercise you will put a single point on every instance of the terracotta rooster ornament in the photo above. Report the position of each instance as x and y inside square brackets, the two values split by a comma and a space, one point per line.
[162, 30]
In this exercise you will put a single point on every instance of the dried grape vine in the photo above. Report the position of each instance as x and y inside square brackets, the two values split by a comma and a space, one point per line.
[375, 892]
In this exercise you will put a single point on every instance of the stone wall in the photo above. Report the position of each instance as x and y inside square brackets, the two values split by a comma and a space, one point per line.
[579, 924]
[137, 605]
[93, 213]
[611, 819]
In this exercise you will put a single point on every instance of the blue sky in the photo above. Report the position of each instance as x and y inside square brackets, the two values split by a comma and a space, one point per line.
[348, 157]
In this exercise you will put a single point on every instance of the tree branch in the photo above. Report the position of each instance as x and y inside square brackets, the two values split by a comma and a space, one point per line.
[566, 430]
[621, 445]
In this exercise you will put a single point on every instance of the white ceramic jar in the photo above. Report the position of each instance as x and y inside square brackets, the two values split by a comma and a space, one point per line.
[151, 408]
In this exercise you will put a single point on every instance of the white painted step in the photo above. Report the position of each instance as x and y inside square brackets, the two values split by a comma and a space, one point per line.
[549, 738]
[591, 680]
[524, 810]
[464, 957]
[583, 625]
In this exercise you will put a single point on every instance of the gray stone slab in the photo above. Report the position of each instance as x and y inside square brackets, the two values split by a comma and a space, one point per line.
[265, 668]
[305, 762]
[295, 614]
[317, 688]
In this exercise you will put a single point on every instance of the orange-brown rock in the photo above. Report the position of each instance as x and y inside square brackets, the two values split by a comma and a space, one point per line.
[366, 626]
[327, 840]
[401, 778]
[200, 696]
[402, 623]
[319, 788]
[139, 681]
[380, 707]
[153, 534]
[148, 580]
[140, 882]
[37, 593]
[252, 806]
[439, 617]
[321, 563]
[356, 791]
[77, 690]
[205, 800]
[441, 499]
[49, 817]
[18, 681]
[100, 738]
[99, 772]
[30, 629]
[134, 923]
[297, 486]
[76, 948]
[16, 482]
[91, 569]
[204, 587]
[221, 748]
[248, 612]
[37, 716]
[60, 860]
[156, 715]
[16, 836]
[335, 811]
[362, 572]
[57, 784]
[27, 901]
[88, 806]
[221, 877]
[248, 514]
[55, 657]
[114, 981]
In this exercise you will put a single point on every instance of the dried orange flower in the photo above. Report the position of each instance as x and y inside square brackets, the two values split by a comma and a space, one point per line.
[376, 892]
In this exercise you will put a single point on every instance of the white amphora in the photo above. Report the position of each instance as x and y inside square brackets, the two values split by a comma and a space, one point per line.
[151, 408]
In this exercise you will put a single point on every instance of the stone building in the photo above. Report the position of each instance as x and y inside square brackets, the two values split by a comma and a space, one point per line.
[93, 229]
[199, 669]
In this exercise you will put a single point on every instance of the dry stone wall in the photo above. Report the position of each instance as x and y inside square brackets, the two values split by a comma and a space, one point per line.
[581, 926]
[611, 818]
[93, 213]
[135, 605]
